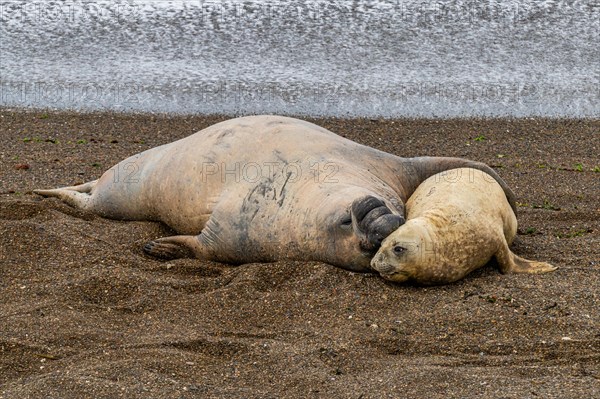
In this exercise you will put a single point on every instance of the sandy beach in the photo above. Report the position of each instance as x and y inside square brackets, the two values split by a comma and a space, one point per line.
[85, 314]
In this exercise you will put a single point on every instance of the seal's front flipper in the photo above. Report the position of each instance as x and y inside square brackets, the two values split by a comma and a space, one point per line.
[76, 196]
[511, 263]
[176, 247]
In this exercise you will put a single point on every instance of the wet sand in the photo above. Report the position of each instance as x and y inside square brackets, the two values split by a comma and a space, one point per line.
[86, 315]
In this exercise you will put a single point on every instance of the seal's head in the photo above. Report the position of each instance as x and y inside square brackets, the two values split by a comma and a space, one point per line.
[356, 221]
[406, 254]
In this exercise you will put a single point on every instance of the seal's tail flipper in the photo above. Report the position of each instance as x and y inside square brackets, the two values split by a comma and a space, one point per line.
[511, 263]
[76, 196]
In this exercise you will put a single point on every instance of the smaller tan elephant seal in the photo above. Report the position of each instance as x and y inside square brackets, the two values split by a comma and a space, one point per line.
[457, 221]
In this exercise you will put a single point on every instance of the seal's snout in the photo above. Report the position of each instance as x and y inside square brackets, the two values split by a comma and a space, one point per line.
[382, 227]
[389, 271]
[381, 262]
[385, 268]
[380, 265]
[375, 220]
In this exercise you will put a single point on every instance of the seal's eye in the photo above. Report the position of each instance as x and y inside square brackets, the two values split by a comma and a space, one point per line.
[398, 250]
[346, 222]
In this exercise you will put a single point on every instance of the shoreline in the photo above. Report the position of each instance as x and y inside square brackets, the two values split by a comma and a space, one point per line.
[134, 113]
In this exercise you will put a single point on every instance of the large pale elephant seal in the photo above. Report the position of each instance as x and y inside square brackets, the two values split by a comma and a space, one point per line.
[456, 222]
[264, 188]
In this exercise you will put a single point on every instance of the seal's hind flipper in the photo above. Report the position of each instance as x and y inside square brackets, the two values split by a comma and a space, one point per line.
[511, 263]
[76, 196]
[175, 247]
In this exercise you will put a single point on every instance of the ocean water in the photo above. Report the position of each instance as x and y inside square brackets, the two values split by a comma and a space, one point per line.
[323, 58]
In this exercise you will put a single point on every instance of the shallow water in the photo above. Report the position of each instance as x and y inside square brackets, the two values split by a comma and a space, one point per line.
[359, 58]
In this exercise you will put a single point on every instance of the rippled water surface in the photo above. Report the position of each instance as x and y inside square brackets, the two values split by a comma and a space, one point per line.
[366, 58]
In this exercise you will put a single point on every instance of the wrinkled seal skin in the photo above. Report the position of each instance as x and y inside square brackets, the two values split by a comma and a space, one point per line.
[263, 188]
[457, 221]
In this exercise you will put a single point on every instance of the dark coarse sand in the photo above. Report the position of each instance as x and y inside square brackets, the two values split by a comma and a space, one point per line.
[84, 314]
